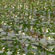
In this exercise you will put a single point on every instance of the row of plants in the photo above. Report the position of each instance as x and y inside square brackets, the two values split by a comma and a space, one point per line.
[22, 18]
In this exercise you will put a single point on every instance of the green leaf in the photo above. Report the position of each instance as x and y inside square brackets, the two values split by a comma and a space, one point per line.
[30, 53]
[29, 47]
